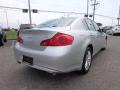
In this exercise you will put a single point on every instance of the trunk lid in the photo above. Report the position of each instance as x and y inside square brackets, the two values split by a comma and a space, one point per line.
[33, 37]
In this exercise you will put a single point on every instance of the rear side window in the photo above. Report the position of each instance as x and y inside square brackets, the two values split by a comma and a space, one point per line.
[90, 25]
[62, 22]
[81, 24]
[95, 25]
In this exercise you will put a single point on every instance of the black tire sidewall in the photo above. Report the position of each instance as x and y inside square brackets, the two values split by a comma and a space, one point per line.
[83, 70]
[1, 40]
[5, 40]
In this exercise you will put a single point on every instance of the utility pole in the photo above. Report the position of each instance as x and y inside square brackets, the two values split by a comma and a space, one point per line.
[119, 16]
[112, 22]
[6, 18]
[29, 12]
[88, 7]
[95, 3]
[94, 10]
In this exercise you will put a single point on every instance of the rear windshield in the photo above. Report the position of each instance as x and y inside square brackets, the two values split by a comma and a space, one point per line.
[62, 22]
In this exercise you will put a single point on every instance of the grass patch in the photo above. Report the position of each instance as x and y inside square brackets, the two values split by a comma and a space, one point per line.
[11, 35]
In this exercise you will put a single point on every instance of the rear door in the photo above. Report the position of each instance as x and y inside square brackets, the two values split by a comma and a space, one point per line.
[100, 35]
[93, 35]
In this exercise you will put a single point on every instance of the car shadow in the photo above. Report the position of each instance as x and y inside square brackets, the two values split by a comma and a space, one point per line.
[43, 74]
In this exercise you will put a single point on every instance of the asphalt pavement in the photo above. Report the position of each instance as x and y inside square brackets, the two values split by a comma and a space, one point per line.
[104, 73]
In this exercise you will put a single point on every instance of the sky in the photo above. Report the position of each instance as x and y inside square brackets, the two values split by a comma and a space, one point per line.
[16, 17]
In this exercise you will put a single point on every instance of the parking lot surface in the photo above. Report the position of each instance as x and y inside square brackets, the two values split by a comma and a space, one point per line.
[104, 73]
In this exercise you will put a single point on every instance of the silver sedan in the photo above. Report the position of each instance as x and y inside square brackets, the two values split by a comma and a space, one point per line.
[60, 45]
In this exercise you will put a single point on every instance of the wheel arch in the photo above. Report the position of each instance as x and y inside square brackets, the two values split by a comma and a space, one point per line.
[91, 46]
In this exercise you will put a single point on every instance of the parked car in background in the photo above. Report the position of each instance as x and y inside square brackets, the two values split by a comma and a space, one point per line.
[25, 26]
[100, 25]
[2, 37]
[60, 45]
[107, 29]
[116, 30]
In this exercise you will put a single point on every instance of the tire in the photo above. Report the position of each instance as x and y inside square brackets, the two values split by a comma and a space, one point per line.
[5, 40]
[1, 42]
[87, 61]
[102, 49]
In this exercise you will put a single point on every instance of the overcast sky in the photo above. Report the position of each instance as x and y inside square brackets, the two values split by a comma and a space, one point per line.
[106, 7]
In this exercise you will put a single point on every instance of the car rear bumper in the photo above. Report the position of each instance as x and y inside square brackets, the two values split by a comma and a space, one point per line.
[54, 62]
[47, 69]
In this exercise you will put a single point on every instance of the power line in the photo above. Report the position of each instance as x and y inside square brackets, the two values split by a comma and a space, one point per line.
[41, 10]
[106, 16]
[10, 7]
[55, 11]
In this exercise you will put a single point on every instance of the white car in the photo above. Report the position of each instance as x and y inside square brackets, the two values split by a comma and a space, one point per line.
[116, 30]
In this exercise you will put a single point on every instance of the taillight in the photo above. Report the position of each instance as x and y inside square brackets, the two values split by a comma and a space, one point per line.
[60, 39]
[19, 39]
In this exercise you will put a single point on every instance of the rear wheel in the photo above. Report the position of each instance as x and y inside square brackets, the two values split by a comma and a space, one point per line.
[87, 61]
